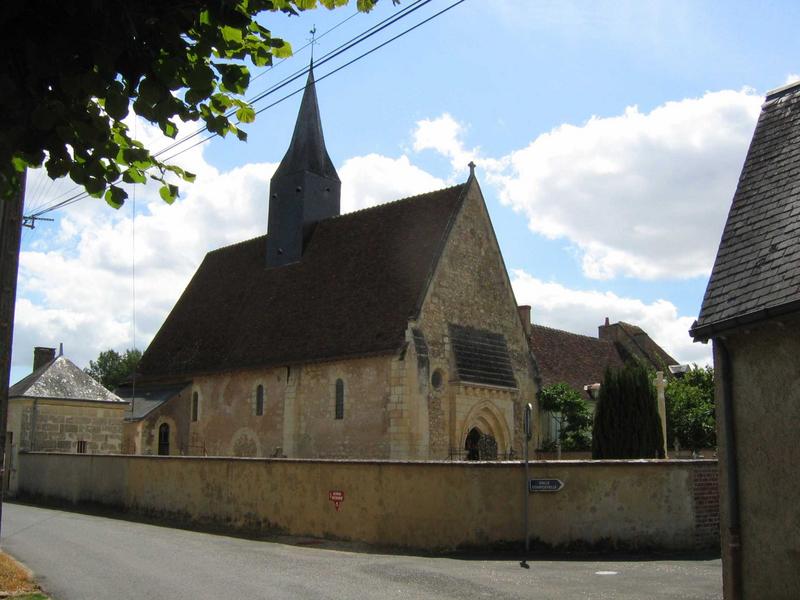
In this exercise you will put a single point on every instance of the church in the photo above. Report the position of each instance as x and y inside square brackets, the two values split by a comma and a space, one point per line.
[387, 333]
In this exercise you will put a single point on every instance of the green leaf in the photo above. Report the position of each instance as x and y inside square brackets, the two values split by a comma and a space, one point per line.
[133, 175]
[116, 102]
[115, 196]
[232, 34]
[246, 114]
[284, 50]
[169, 129]
[168, 193]
[18, 163]
[241, 135]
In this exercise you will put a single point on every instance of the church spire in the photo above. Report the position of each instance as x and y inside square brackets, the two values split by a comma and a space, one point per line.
[307, 150]
[305, 188]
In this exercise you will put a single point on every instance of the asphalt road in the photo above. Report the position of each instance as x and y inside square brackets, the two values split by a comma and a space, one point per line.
[81, 557]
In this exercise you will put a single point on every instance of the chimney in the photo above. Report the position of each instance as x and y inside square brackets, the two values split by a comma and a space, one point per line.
[525, 317]
[42, 356]
[607, 331]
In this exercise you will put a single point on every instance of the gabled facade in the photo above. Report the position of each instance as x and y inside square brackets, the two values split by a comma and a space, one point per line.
[391, 332]
[59, 408]
[751, 313]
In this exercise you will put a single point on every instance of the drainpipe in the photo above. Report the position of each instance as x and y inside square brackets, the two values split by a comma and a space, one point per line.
[732, 473]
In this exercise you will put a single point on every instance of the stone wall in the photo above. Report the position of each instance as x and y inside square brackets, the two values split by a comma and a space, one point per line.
[421, 505]
[58, 425]
[52, 424]
[470, 287]
[765, 377]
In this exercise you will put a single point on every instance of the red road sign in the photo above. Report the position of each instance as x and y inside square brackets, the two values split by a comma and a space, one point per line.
[337, 497]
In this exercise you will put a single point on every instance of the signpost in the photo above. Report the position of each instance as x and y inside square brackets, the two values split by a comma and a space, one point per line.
[528, 436]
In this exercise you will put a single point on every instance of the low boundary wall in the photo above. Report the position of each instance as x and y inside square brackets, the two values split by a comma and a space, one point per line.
[435, 506]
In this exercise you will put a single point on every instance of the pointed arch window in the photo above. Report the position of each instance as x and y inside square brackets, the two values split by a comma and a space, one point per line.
[339, 399]
[259, 400]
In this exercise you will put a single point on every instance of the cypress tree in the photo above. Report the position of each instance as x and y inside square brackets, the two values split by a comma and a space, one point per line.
[626, 421]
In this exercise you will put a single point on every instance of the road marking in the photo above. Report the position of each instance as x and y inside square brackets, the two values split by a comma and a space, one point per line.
[605, 573]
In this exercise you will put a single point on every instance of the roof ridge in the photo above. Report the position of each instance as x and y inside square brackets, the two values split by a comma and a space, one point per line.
[345, 215]
[777, 92]
[583, 335]
[393, 202]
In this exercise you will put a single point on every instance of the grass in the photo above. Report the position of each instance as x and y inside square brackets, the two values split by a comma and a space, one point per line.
[16, 581]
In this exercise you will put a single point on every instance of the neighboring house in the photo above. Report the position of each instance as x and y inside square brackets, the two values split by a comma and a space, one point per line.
[59, 408]
[580, 360]
[751, 312]
[391, 332]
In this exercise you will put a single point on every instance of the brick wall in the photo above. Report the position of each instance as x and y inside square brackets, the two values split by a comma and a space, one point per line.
[705, 492]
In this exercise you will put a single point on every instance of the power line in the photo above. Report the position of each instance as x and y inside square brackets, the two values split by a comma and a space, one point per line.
[81, 195]
[363, 36]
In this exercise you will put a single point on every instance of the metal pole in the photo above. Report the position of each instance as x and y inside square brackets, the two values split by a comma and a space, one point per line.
[525, 500]
[11, 202]
[528, 436]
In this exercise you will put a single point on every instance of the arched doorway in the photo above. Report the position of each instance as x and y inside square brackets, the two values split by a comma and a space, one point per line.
[163, 440]
[480, 446]
[486, 433]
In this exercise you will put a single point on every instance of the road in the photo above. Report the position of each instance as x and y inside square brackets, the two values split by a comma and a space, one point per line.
[83, 557]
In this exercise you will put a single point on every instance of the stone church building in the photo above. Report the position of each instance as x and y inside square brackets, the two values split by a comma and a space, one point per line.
[389, 333]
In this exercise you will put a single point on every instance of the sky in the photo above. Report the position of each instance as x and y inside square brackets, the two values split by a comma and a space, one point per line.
[608, 138]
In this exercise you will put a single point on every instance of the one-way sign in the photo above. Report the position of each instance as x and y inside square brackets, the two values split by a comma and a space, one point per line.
[545, 485]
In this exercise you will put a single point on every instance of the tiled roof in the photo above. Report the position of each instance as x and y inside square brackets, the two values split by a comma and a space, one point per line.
[361, 277]
[637, 344]
[61, 378]
[577, 360]
[757, 269]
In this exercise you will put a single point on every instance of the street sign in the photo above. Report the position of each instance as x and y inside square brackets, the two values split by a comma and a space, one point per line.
[528, 421]
[545, 485]
[337, 497]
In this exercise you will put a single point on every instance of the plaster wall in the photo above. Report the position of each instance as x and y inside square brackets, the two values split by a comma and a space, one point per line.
[422, 505]
[765, 371]
[298, 418]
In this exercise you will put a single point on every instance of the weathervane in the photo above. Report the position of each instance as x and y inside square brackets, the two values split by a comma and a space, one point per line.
[313, 41]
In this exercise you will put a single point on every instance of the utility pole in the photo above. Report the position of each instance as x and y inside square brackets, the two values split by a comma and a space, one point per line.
[10, 236]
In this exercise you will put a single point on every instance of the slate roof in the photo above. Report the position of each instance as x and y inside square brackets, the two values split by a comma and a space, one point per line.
[757, 270]
[61, 378]
[361, 277]
[570, 358]
[481, 356]
[145, 399]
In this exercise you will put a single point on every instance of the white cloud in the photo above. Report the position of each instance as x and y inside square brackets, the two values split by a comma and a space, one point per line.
[375, 179]
[444, 135]
[641, 195]
[581, 311]
[791, 78]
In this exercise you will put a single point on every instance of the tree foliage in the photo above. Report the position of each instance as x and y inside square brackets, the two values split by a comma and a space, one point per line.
[72, 72]
[111, 368]
[626, 421]
[690, 409]
[571, 412]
